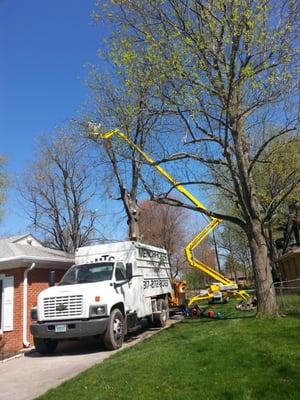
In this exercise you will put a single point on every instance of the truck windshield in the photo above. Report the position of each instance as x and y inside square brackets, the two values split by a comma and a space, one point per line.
[87, 273]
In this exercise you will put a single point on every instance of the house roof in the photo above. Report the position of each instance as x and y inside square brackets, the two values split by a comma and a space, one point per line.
[12, 251]
[26, 238]
[238, 274]
[17, 238]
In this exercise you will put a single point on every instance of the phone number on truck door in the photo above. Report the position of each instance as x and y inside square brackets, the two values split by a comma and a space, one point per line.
[155, 283]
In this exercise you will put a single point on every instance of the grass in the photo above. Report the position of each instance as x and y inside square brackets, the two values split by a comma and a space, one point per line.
[288, 303]
[232, 358]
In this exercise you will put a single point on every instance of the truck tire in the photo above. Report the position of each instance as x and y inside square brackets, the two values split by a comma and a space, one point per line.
[45, 346]
[161, 318]
[115, 332]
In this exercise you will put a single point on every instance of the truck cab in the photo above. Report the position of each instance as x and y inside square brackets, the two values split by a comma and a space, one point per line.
[105, 294]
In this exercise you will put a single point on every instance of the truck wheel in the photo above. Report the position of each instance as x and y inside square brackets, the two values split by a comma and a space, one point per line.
[45, 346]
[114, 335]
[162, 318]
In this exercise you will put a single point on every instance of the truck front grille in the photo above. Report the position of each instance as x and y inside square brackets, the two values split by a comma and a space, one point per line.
[63, 306]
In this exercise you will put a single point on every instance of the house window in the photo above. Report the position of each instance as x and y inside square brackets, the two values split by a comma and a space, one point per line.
[6, 303]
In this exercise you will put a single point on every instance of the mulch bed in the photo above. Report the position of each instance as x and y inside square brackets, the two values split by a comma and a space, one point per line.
[5, 354]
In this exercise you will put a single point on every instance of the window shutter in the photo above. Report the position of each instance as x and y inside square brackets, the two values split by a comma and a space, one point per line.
[8, 303]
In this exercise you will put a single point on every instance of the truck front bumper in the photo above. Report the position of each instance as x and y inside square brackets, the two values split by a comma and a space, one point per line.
[73, 329]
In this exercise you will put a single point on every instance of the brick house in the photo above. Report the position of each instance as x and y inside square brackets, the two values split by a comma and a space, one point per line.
[240, 278]
[24, 272]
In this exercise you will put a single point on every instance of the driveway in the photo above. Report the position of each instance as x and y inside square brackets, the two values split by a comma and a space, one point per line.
[32, 375]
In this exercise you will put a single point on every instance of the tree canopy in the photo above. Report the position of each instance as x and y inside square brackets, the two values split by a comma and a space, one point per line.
[164, 226]
[223, 70]
[129, 109]
[58, 189]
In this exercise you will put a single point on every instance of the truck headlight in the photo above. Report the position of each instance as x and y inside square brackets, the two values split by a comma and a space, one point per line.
[98, 311]
[33, 314]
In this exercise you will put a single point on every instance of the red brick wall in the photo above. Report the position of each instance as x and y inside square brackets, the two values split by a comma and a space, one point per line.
[13, 339]
[37, 281]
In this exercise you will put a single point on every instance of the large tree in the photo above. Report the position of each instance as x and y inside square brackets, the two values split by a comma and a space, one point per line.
[282, 161]
[221, 67]
[58, 189]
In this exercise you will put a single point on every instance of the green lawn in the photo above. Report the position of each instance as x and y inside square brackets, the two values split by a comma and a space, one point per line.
[289, 303]
[232, 358]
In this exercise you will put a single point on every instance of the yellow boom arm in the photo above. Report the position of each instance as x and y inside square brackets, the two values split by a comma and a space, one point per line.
[214, 222]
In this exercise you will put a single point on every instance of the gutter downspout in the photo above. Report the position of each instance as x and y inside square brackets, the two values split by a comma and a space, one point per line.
[25, 290]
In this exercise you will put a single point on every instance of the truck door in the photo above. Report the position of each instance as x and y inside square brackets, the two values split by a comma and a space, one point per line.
[125, 289]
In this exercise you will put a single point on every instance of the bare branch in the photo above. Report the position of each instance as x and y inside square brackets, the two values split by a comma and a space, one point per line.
[181, 156]
[265, 144]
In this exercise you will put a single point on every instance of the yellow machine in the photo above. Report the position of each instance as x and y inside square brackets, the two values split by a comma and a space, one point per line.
[178, 296]
[222, 288]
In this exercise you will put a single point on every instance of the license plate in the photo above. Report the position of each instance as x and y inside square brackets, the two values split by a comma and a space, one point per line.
[60, 328]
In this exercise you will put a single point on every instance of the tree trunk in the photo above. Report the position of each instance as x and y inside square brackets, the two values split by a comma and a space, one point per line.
[133, 213]
[273, 255]
[133, 227]
[265, 292]
[245, 274]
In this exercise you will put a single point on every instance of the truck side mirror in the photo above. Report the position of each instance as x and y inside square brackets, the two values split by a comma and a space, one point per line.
[52, 278]
[129, 271]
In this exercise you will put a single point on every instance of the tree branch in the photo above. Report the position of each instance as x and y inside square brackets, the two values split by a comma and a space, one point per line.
[265, 144]
[177, 203]
[181, 156]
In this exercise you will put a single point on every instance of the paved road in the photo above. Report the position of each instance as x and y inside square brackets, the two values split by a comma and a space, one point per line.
[32, 375]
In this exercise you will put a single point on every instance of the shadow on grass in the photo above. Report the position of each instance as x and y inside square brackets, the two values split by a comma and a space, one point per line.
[201, 319]
[205, 319]
[240, 317]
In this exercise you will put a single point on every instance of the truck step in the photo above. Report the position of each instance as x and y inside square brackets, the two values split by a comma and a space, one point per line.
[135, 328]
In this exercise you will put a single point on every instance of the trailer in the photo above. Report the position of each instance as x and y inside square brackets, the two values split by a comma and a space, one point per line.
[110, 288]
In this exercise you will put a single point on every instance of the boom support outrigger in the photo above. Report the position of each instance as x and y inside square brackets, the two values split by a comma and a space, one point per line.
[223, 284]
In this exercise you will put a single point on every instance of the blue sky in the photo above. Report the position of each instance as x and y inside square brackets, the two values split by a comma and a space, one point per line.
[44, 47]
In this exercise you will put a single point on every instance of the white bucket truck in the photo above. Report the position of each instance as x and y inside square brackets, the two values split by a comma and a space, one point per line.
[108, 290]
